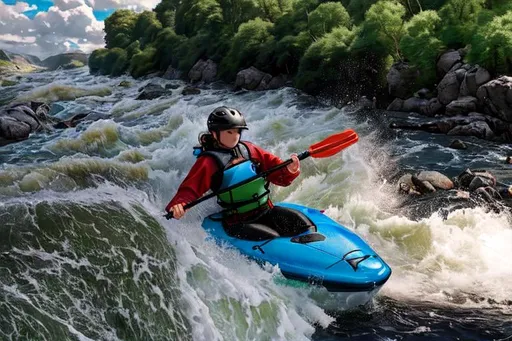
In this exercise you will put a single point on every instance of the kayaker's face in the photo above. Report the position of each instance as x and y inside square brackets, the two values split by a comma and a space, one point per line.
[229, 138]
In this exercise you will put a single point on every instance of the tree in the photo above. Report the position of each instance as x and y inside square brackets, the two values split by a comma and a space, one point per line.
[358, 8]
[119, 28]
[420, 44]
[166, 11]
[194, 16]
[167, 44]
[326, 17]
[143, 62]
[385, 21]
[146, 28]
[274, 9]
[459, 19]
[492, 46]
[96, 59]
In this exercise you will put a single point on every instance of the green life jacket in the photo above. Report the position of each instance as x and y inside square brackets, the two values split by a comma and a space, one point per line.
[246, 197]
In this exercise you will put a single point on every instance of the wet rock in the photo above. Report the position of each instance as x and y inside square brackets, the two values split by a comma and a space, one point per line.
[406, 179]
[462, 105]
[424, 93]
[458, 144]
[125, 84]
[396, 105]
[189, 90]
[479, 129]
[496, 97]
[172, 73]
[152, 91]
[437, 179]
[203, 71]
[422, 186]
[414, 104]
[432, 108]
[172, 86]
[278, 82]
[473, 79]
[251, 78]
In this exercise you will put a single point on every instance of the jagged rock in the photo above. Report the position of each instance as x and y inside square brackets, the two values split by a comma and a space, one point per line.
[437, 179]
[458, 144]
[277, 82]
[203, 71]
[401, 79]
[473, 79]
[432, 108]
[448, 88]
[496, 97]
[189, 90]
[424, 93]
[463, 105]
[479, 181]
[447, 61]
[125, 84]
[396, 105]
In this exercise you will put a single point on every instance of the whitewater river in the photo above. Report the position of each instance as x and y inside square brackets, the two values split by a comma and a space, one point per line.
[85, 253]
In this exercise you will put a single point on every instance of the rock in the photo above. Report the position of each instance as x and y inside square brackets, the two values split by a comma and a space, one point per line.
[422, 186]
[152, 91]
[479, 129]
[190, 90]
[396, 105]
[401, 79]
[508, 160]
[251, 78]
[487, 175]
[448, 88]
[203, 71]
[479, 181]
[172, 73]
[172, 86]
[18, 121]
[414, 104]
[406, 179]
[496, 97]
[278, 82]
[463, 105]
[473, 79]
[446, 61]
[437, 179]
[458, 144]
[125, 84]
[432, 108]
[424, 93]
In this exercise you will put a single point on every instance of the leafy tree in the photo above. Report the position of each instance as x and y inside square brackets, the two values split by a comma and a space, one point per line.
[358, 8]
[236, 12]
[326, 17]
[146, 28]
[459, 19]
[166, 11]
[289, 50]
[274, 9]
[492, 46]
[248, 46]
[384, 25]
[191, 50]
[96, 59]
[193, 16]
[119, 28]
[167, 44]
[323, 59]
[420, 44]
[143, 62]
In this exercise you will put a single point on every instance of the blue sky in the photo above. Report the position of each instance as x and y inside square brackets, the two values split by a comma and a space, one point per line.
[44, 5]
[48, 27]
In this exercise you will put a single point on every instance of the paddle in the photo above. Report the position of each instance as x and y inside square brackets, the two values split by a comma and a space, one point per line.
[325, 148]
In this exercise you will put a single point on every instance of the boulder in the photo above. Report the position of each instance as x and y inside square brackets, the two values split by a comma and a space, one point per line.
[152, 91]
[462, 105]
[448, 88]
[401, 79]
[396, 105]
[172, 73]
[473, 79]
[496, 97]
[432, 108]
[190, 90]
[479, 129]
[458, 144]
[414, 104]
[437, 179]
[251, 78]
[203, 71]
[446, 61]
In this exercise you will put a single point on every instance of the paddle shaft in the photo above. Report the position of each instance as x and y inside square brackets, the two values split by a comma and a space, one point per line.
[191, 204]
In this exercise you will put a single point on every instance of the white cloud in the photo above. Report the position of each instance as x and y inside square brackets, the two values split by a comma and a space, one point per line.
[47, 33]
[137, 5]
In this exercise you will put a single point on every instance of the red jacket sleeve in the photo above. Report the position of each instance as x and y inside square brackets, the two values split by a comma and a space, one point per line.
[267, 160]
[196, 183]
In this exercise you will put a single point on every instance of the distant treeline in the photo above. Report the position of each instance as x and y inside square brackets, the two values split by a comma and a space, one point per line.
[322, 45]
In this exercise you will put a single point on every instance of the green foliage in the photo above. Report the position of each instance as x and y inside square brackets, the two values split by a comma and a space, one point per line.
[499, 7]
[384, 25]
[236, 12]
[192, 16]
[166, 11]
[133, 49]
[191, 50]
[114, 62]
[326, 17]
[119, 28]
[421, 46]
[358, 8]
[250, 46]
[289, 50]
[146, 28]
[96, 59]
[459, 19]
[492, 46]
[323, 59]
[274, 9]
[143, 62]
[167, 44]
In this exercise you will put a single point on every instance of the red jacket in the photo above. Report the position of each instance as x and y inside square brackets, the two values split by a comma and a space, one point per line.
[198, 180]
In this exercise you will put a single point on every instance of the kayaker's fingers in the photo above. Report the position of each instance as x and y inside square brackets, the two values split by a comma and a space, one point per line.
[295, 165]
[178, 211]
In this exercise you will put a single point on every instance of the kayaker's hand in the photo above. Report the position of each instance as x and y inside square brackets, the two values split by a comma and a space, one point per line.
[295, 165]
[178, 211]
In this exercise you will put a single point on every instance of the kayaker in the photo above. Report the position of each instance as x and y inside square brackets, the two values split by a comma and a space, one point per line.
[222, 159]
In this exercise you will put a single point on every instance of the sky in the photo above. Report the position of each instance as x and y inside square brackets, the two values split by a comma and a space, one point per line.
[48, 27]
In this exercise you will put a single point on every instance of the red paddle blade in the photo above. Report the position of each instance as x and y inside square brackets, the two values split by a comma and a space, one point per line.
[333, 144]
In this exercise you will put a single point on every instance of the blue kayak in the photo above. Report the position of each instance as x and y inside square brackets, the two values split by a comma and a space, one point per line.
[327, 254]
